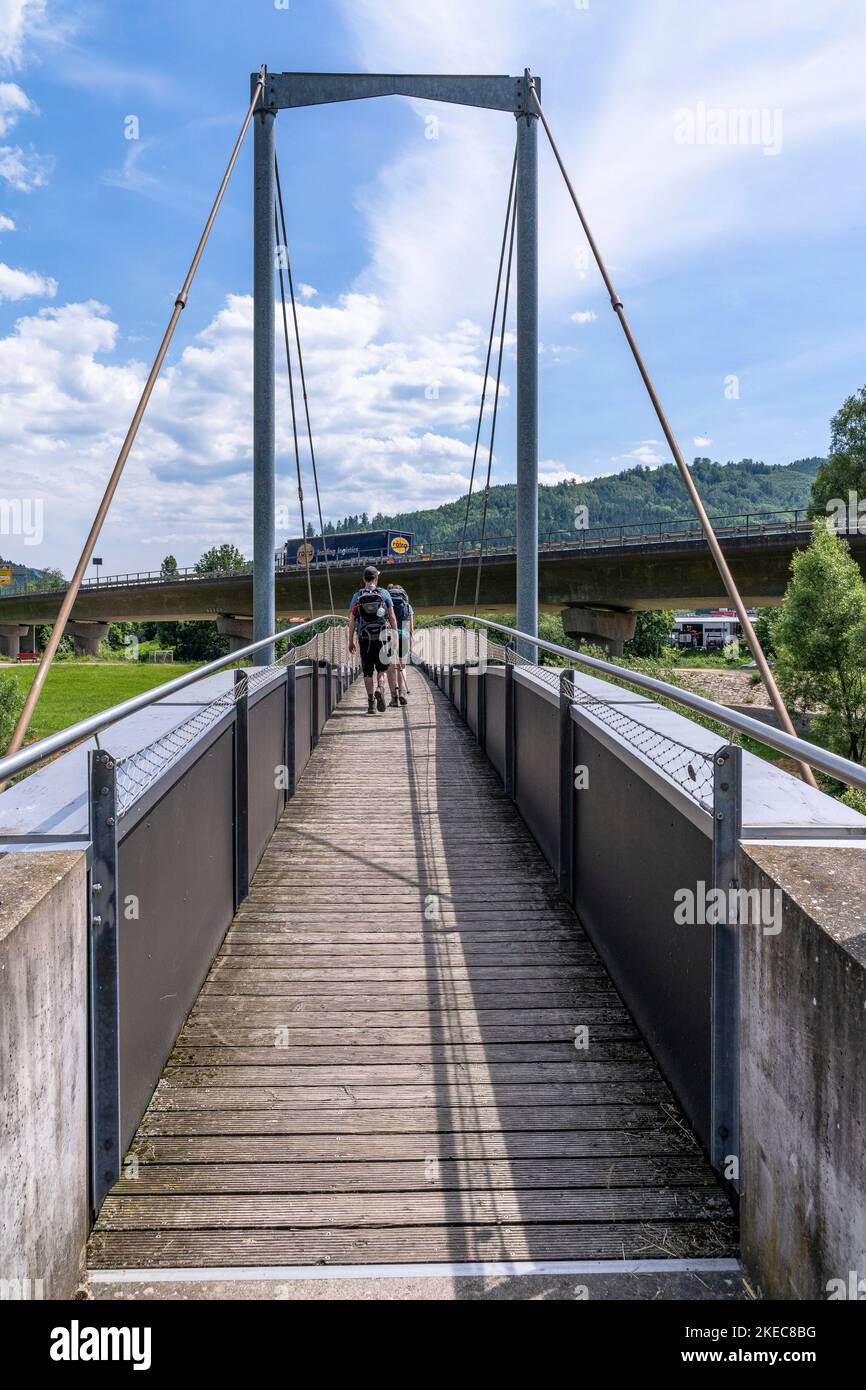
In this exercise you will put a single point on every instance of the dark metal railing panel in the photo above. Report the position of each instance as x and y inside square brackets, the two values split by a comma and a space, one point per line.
[537, 767]
[103, 981]
[176, 900]
[474, 684]
[494, 704]
[324, 697]
[303, 717]
[266, 762]
[633, 851]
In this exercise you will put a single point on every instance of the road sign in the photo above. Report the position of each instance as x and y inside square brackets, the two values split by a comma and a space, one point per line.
[5, 574]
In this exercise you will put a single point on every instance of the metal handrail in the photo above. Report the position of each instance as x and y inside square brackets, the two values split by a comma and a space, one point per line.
[46, 747]
[832, 764]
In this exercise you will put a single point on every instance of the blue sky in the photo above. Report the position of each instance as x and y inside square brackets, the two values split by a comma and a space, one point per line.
[737, 251]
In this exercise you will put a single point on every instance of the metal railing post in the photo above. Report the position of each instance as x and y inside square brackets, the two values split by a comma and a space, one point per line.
[104, 981]
[242, 788]
[291, 692]
[329, 691]
[510, 729]
[482, 704]
[725, 1048]
[566, 784]
[314, 700]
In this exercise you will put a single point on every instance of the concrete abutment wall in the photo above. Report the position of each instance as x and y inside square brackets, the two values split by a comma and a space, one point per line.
[802, 1075]
[43, 1073]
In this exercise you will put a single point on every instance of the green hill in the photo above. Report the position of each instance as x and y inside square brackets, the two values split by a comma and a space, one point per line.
[21, 574]
[639, 495]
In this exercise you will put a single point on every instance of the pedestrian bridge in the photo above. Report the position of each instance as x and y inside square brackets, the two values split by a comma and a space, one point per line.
[296, 986]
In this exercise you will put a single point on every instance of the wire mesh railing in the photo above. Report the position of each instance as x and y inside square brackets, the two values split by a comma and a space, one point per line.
[690, 768]
[138, 771]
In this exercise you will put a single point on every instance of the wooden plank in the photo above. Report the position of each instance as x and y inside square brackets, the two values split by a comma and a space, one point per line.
[191, 1211]
[425, 1173]
[396, 1044]
[156, 1249]
[446, 1097]
[456, 1062]
[478, 1118]
[656, 1141]
[419, 985]
[319, 999]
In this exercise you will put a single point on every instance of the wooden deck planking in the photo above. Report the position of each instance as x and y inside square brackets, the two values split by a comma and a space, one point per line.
[363, 1081]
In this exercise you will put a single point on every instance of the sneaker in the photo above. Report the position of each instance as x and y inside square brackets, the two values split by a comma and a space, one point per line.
[403, 700]
[394, 702]
[380, 701]
[371, 705]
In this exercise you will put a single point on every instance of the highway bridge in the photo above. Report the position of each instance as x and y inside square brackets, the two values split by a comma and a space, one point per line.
[600, 578]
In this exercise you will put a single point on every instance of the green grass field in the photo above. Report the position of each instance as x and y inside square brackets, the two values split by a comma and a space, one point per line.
[75, 690]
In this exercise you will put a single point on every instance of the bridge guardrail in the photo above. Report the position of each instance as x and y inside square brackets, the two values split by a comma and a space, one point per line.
[541, 728]
[176, 829]
[771, 523]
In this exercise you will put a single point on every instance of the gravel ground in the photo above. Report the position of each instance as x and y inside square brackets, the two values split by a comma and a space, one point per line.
[725, 687]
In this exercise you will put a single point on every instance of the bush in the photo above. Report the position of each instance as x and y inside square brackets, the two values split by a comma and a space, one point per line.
[11, 705]
[856, 799]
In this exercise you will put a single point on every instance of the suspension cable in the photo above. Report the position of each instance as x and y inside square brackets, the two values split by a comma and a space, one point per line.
[495, 407]
[712, 540]
[305, 549]
[486, 372]
[102, 511]
[285, 246]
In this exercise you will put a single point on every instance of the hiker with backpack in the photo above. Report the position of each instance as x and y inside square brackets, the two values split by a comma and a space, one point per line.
[371, 615]
[405, 615]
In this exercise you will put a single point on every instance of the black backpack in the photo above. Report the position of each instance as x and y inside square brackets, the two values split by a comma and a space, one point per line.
[400, 600]
[371, 612]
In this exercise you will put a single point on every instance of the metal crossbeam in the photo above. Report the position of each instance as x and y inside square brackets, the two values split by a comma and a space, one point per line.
[292, 89]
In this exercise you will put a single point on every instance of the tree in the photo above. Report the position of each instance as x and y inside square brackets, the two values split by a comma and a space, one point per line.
[651, 634]
[821, 641]
[221, 559]
[168, 568]
[52, 579]
[199, 642]
[765, 629]
[844, 470]
[11, 705]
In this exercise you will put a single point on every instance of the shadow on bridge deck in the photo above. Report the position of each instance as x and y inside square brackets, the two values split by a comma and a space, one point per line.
[381, 1065]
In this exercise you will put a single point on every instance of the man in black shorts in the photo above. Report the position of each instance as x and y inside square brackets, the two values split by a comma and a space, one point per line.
[372, 615]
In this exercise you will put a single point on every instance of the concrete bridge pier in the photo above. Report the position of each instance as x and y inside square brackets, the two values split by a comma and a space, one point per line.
[86, 637]
[609, 627]
[239, 631]
[10, 639]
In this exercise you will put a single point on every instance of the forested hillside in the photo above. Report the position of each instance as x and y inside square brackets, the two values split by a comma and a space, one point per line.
[640, 494]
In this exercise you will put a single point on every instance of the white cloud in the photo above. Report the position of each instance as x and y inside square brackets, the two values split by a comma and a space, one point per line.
[23, 171]
[551, 471]
[701, 440]
[307, 291]
[6, 223]
[13, 103]
[647, 197]
[386, 413]
[584, 316]
[18, 19]
[21, 284]
[646, 453]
